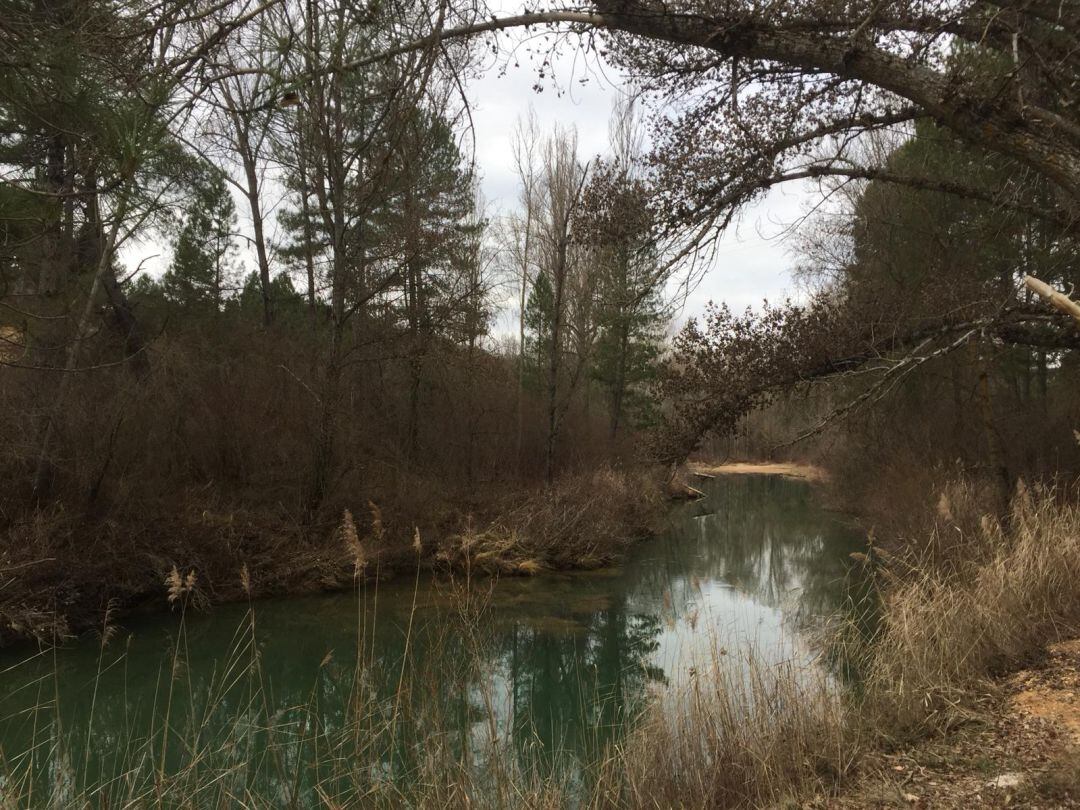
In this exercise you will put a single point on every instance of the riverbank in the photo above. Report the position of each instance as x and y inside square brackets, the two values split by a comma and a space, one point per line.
[1023, 750]
[969, 618]
[62, 574]
[963, 675]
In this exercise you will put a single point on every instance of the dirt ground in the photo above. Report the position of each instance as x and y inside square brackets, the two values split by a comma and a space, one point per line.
[1026, 754]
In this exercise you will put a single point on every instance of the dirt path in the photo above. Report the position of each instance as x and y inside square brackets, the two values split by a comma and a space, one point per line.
[1027, 754]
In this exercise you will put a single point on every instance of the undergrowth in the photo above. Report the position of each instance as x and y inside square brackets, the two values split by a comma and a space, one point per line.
[59, 570]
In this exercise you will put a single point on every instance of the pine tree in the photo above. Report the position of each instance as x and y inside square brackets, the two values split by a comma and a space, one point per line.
[204, 271]
[539, 317]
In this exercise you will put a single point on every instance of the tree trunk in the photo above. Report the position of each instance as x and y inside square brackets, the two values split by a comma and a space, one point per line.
[255, 205]
[619, 387]
[43, 471]
[521, 337]
[553, 362]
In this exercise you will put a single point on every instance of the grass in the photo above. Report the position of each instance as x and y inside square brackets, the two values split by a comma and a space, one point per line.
[746, 736]
[978, 597]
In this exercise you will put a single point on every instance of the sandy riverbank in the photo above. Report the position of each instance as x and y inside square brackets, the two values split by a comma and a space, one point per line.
[791, 469]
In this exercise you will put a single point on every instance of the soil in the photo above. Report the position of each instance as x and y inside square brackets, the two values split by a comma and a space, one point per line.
[1025, 753]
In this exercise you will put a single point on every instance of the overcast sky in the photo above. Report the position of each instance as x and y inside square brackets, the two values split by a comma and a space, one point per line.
[753, 260]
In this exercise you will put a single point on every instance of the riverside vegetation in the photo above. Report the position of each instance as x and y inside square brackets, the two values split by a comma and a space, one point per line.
[783, 731]
[383, 380]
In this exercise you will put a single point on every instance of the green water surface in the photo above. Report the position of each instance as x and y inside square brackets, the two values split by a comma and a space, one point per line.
[552, 667]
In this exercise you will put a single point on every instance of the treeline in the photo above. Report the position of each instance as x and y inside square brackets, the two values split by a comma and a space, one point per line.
[325, 331]
[332, 332]
[919, 355]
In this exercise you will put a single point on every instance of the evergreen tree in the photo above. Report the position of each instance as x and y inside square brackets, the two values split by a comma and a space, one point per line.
[204, 270]
[617, 224]
[288, 301]
[539, 318]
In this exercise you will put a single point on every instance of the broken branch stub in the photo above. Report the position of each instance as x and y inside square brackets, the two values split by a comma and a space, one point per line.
[1058, 300]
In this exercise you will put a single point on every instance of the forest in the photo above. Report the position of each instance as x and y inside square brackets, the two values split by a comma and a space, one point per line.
[264, 341]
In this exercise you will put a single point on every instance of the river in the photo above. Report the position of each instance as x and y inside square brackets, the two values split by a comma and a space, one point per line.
[552, 667]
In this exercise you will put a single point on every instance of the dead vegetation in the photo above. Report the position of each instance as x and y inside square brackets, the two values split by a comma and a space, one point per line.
[581, 521]
[978, 597]
[60, 571]
[1022, 752]
[974, 600]
[790, 469]
[753, 739]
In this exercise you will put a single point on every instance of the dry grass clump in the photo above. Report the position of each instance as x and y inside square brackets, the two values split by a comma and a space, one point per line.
[973, 603]
[737, 738]
[583, 520]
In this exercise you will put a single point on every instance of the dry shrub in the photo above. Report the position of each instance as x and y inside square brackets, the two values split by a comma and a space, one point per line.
[583, 520]
[59, 569]
[588, 519]
[951, 620]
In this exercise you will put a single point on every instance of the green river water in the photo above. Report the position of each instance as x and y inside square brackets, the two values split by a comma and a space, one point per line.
[554, 666]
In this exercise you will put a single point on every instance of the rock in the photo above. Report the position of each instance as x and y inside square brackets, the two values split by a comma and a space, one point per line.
[1006, 780]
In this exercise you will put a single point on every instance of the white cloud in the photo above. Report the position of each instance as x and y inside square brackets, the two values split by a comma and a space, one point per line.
[753, 260]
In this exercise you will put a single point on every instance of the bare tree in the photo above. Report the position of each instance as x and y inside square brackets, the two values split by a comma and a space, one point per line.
[760, 84]
[559, 193]
[521, 242]
[246, 131]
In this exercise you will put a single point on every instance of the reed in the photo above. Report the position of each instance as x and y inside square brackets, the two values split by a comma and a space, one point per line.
[977, 597]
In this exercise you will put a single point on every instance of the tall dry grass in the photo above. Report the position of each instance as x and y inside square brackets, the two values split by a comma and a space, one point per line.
[747, 735]
[979, 596]
[972, 599]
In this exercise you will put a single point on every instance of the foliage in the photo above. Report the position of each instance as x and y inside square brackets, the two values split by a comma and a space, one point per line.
[203, 272]
[914, 295]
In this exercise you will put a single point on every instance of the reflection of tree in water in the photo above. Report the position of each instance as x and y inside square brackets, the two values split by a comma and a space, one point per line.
[762, 535]
[571, 693]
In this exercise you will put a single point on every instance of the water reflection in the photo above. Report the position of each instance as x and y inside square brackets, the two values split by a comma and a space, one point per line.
[555, 665]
